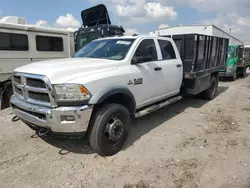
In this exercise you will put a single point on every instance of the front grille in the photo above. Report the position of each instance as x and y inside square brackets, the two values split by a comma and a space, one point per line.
[19, 91]
[35, 89]
[40, 116]
[44, 97]
[17, 79]
[35, 83]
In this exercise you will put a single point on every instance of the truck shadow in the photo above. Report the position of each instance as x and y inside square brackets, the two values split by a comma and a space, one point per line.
[139, 127]
[67, 144]
[147, 123]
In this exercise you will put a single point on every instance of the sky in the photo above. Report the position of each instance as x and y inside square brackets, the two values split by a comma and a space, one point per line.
[137, 16]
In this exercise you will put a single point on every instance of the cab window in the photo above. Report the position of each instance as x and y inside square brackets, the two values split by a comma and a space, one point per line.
[146, 49]
[167, 50]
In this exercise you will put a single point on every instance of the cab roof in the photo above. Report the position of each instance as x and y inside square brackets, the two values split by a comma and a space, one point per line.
[133, 37]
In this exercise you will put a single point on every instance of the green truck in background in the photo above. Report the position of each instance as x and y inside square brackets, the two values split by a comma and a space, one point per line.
[238, 61]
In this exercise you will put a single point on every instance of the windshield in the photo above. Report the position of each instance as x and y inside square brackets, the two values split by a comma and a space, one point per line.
[230, 52]
[113, 49]
[83, 39]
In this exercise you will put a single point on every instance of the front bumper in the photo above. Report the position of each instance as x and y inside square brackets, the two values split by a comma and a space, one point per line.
[226, 74]
[51, 118]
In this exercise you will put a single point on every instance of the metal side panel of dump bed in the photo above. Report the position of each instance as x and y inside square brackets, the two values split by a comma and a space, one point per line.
[202, 56]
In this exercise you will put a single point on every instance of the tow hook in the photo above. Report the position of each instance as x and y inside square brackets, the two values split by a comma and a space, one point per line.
[15, 119]
[42, 132]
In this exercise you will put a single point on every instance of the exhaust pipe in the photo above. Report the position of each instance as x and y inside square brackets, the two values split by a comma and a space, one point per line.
[15, 119]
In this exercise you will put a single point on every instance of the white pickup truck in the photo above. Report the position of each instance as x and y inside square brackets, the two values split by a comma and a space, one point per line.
[103, 87]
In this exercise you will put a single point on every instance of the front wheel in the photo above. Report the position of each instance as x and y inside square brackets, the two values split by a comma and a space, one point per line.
[109, 129]
[234, 77]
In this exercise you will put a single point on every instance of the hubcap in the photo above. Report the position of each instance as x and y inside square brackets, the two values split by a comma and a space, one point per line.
[114, 130]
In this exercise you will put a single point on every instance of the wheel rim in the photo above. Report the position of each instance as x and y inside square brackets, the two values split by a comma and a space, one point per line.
[114, 130]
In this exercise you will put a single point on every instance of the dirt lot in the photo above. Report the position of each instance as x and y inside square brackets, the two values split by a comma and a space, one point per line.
[190, 144]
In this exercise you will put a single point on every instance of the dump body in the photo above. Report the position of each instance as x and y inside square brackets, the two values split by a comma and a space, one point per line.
[202, 55]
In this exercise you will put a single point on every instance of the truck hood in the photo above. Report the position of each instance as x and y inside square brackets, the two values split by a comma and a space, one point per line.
[63, 70]
[230, 61]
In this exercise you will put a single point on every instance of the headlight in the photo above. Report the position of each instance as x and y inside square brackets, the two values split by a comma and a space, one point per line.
[230, 68]
[71, 92]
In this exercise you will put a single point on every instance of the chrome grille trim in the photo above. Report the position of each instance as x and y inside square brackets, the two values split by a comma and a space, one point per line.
[25, 88]
[39, 96]
[35, 83]
[18, 90]
[17, 79]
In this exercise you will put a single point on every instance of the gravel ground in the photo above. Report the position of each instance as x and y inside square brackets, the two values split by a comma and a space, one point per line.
[190, 144]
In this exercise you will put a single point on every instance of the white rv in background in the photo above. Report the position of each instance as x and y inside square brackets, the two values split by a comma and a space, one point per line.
[21, 44]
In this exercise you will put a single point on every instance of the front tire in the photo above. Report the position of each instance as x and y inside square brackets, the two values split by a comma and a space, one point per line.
[109, 128]
[234, 77]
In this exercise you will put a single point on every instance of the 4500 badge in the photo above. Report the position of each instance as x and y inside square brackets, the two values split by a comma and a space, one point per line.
[135, 81]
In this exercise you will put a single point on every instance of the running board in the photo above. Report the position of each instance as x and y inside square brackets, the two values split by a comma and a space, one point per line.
[157, 106]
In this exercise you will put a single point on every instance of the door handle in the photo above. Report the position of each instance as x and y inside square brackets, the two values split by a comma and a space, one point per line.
[178, 65]
[157, 68]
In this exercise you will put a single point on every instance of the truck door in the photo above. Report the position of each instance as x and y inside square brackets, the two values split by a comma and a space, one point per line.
[147, 77]
[172, 68]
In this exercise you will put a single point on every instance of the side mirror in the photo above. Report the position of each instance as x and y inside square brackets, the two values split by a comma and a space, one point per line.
[141, 59]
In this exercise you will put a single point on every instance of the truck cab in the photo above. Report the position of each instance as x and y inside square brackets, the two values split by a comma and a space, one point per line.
[233, 59]
[237, 62]
[114, 79]
[96, 24]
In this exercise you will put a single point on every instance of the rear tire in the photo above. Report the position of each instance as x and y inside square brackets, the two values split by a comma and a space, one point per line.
[109, 128]
[210, 93]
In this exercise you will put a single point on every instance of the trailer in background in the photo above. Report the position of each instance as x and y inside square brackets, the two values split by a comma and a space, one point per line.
[210, 30]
